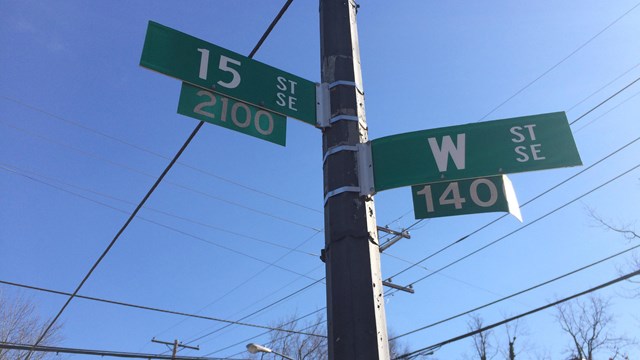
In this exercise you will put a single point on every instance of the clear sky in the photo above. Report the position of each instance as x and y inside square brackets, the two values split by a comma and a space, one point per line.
[237, 223]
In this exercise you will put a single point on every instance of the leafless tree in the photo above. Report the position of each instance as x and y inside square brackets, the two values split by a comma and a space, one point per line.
[481, 341]
[588, 323]
[20, 324]
[629, 233]
[514, 331]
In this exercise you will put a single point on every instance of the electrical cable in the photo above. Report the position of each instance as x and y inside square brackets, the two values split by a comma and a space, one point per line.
[246, 281]
[603, 87]
[604, 101]
[530, 312]
[529, 201]
[558, 63]
[20, 171]
[607, 112]
[196, 237]
[527, 225]
[154, 309]
[117, 236]
[143, 201]
[176, 184]
[257, 311]
[263, 333]
[76, 351]
[519, 292]
[156, 154]
[523, 205]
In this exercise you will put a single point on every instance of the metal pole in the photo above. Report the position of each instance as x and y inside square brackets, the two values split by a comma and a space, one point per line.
[355, 304]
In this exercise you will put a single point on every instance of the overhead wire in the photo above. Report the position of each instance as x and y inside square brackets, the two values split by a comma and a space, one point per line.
[527, 225]
[523, 205]
[518, 293]
[118, 234]
[576, 120]
[18, 170]
[516, 317]
[419, 221]
[151, 308]
[244, 341]
[559, 62]
[257, 311]
[143, 201]
[249, 279]
[158, 155]
[536, 197]
[168, 227]
[101, 353]
[176, 184]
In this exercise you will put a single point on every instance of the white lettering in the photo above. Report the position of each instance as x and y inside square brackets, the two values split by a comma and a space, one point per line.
[293, 86]
[532, 135]
[535, 150]
[441, 155]
[514, 130]
[247, 115]
[281, 83]
[256, 121]
[281, 100]
[519, 150]
[292, 103]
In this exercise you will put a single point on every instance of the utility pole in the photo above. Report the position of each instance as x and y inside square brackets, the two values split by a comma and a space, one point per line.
[175, 344]
[357, 327]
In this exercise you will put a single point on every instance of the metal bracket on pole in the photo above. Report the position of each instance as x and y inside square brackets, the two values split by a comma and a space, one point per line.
[408, 289]
[365, 169]
[404, 234]
[323, 105]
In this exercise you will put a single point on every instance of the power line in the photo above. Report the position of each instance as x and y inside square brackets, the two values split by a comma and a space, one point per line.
[527, 225]
[257, 311]
[23, 172]
[558, 63]
[530, 312]
[305, 275]
[144, 199]
[264, 333]
[156, 154]
[76, 351]
[519, 292]
[538, 196]
[150, 308]
[607, 112]
[604, 101]
[122, 229]
[603, 87]
[176, 184]
[182, 232]
[523, 205]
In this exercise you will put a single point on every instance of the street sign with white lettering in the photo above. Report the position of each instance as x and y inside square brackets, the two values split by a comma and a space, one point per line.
[213, 68]
[235, 115]
[474, 150]
[469, 196]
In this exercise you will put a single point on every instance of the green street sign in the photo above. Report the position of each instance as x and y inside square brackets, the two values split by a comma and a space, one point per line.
[211, 67]
[489, 148]
[235, 115]
[469, 196]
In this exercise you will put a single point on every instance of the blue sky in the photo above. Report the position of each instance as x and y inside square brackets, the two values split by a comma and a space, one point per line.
[236, 224]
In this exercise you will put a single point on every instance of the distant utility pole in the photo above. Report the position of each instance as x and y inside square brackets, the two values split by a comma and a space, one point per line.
[355, 304]
[175, 344]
